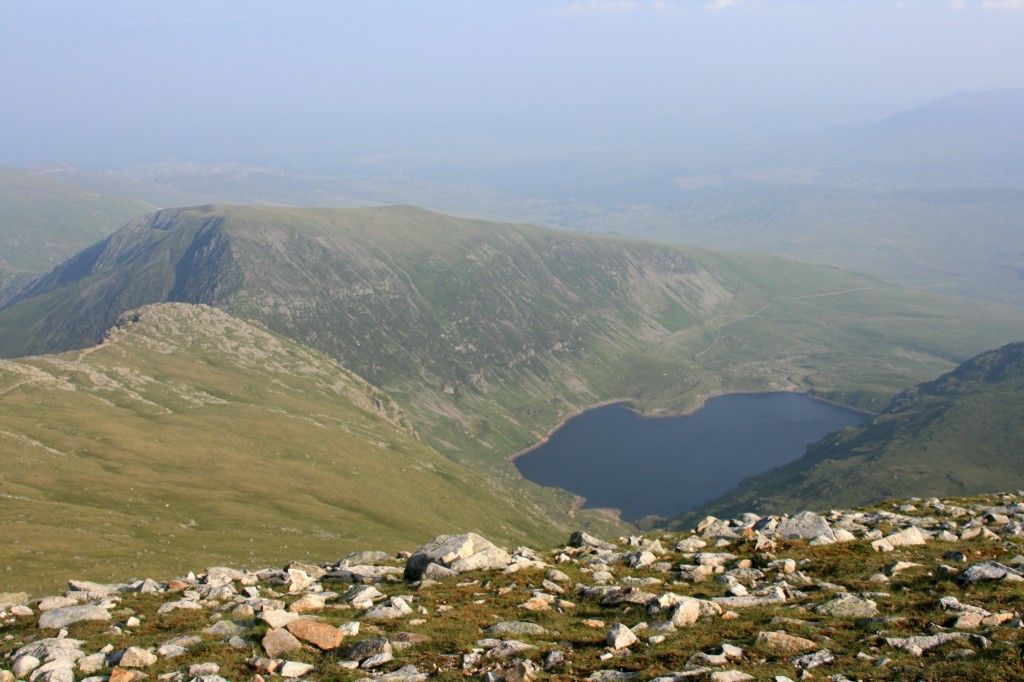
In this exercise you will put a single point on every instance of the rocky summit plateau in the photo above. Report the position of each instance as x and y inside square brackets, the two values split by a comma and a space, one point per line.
[915, 590]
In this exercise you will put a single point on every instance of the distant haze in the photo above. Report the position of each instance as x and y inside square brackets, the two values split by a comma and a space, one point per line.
[377, 84]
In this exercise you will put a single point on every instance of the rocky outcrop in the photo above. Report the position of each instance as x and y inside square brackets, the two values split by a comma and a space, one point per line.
[806, 597]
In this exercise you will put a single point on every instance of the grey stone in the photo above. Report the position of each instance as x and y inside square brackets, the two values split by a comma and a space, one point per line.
[51, 603]
[369, 647]
[509, 648]
[224, 628]
[408, 673]
[582, 539]
[808, 661]
[389, 610]
[614, 676]
[805, 525]
[985, 572]
[377, 660]
[620, 636]
[293, 669]
[9, 599]
[277, 643]
[278, 618]
[457, 552]
[848, 606]
[135, 657]
[62, 670]
[369, 558]
[167, 607]
[906, 537]
[916, 646]
[52, 648]
[203, 669]
[23, 665]
[61, 618]
[518, 627]
[90, 665]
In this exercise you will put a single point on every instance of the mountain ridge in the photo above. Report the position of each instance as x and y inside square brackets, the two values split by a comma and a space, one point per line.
[191, 433]
[489, 333]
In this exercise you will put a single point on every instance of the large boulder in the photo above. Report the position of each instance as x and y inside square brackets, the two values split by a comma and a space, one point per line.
[806, 525]
[459, 553]
[61, 618]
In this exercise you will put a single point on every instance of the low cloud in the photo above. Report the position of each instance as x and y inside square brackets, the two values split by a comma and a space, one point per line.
[1003, 5]
[718, 5]
[599, 7]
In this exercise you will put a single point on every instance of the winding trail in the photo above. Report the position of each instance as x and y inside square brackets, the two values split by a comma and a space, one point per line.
[718, 329]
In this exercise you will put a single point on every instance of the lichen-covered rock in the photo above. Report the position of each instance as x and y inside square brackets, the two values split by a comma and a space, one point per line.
[459, 553]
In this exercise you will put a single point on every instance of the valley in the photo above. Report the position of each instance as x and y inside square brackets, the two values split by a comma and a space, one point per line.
[483, 334]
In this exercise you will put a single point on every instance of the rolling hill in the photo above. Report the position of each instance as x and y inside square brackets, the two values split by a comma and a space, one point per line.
[43, 221]
[929, 197]
[190, 436]
[488, 333]
[960, 434]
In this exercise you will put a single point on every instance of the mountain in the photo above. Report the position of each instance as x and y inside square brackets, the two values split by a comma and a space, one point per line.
[488, 334]
[43, 221]
[967, 242]
[960, 434]
[968, 139]
[931, 197]
[186, 184]
[189, 435]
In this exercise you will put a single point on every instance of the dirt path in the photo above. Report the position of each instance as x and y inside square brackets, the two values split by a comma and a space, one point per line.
[718, 329]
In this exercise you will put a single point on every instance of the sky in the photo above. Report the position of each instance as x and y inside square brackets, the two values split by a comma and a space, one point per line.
[106, 84]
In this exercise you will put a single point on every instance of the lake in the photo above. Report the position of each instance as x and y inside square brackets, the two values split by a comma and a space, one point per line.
[666, 465]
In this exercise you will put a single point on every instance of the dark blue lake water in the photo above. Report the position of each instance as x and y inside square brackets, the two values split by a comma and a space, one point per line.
[667, 465]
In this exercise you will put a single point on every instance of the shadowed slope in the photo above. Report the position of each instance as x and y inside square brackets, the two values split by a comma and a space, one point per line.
[960, 434]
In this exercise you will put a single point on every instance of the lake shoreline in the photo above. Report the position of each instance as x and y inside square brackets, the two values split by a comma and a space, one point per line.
[660, 414]
[612, 435]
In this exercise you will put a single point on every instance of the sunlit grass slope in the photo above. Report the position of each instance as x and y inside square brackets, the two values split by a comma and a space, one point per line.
[192, 438]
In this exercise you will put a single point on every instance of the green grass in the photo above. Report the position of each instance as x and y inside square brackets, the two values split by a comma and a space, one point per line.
[43, 221]
[195, 437]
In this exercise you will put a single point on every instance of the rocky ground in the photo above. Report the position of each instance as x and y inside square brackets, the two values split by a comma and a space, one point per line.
[914, 590]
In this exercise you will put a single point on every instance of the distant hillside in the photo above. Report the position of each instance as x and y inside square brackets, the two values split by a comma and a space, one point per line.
[957, 435]
[43, 221]
[488, 334]
[964, 242]
[191, 436]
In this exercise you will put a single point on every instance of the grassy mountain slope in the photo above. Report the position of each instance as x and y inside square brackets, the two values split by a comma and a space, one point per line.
[490, 333]
[961, 434]
[43, 221]
[191, 436]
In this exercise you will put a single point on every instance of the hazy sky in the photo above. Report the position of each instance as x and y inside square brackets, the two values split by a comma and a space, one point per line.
[108, 83]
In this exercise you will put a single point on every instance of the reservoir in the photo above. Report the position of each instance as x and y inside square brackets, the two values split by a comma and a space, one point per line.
[666, 465]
